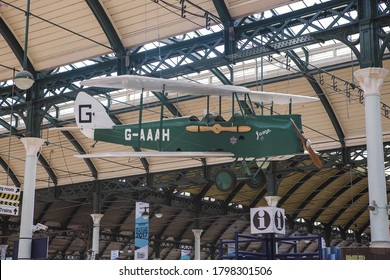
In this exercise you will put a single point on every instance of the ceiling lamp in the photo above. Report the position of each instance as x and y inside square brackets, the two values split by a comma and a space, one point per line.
[24, 80]
[145, 214]
[158, 214]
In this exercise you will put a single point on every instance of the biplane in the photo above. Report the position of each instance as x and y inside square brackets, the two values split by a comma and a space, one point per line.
[245, 136]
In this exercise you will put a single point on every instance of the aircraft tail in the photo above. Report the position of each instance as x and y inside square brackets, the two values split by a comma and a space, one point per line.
[90, 114]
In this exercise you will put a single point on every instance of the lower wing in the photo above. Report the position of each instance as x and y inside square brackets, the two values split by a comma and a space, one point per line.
[156, 154]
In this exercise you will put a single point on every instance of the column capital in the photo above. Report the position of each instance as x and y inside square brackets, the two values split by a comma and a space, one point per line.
[371, 79]
[32, 145]
[96, 218]
[272, 200]
[197, 232]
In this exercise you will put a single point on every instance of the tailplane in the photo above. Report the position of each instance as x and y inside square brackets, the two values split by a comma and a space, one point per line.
[90, 114]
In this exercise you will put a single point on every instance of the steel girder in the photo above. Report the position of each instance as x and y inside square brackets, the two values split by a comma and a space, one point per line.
[254, 39]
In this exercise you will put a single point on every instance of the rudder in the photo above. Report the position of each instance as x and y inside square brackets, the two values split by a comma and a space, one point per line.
[90, 114]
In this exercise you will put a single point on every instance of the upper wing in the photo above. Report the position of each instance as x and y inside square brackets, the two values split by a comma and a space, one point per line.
[159, 84]
[279, 98]
[157, 154]
[191, 88]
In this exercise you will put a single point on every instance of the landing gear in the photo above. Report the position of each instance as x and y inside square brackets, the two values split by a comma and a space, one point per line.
[257, 179]
[225, 179]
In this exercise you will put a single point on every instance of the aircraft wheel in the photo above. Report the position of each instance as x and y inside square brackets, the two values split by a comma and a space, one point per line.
[257, 181]
[225, 180]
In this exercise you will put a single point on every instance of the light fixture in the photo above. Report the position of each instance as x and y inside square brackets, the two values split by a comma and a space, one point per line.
[145, 214]
[24, 80]
[158, 214]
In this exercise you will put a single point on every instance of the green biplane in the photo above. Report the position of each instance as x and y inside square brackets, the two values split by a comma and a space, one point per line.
[244, 136]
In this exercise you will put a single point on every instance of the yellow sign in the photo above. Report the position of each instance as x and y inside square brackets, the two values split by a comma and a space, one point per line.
[355, 257]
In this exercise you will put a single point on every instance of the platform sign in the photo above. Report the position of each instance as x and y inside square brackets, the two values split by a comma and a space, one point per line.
[9, 210]
[267, 220]
[114, 254]
[9, 200]
[185, 254]
[9, 189]
[141, 232]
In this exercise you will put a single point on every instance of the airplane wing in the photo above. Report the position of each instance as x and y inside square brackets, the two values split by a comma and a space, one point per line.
[159, 84]
[279, 98]
[156, 154]
[191, 88]
[65, 128]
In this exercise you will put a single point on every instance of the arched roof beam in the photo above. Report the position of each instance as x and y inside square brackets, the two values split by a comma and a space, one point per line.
[108, 28]
[9, 127]
[204, 190]
[15, 46]
[233, 194]
[49, 170]
[332, 198]
[9, 172]
[348, 205]
[321, 95]
[314, 193]
[75, 144]
[296, 186]
[352, 221]
[81, 150]
[258, 198]
[222, 11]
[43, 212]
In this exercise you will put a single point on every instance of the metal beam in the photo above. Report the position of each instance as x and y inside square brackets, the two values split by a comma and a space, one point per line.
[317, 191]
[8, 170]
[294, 188]
[13, 43]
[9, 127]
[368, 34]
[321, 95]
[49, 170]
[347, 204]
[324, 206]
[107, 26]
[222, 11]
[81, 150]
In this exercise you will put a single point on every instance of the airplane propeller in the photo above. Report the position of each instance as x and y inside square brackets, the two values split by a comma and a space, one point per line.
[306, 143]
[217, 128]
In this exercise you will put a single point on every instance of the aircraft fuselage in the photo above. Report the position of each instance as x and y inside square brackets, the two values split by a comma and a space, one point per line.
[263, 136]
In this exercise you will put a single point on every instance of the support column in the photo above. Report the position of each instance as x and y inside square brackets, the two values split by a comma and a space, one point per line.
[371, 80]
[32, 146]
[197, 234]
[95, 234]
[272, 186]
